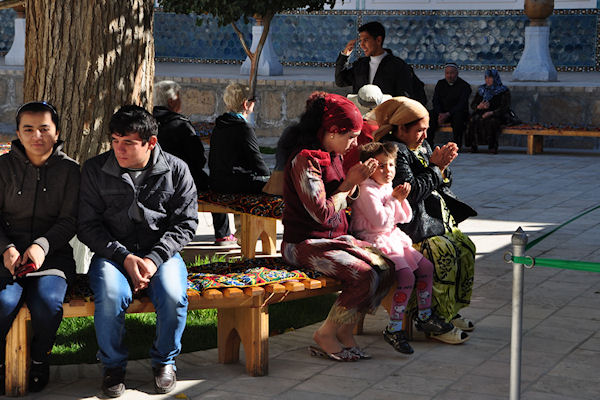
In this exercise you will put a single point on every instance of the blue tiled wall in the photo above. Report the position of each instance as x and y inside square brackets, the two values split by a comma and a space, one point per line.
[425, 39]
[7, 29]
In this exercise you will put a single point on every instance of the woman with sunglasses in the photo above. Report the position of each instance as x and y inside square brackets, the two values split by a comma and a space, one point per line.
[38, 215]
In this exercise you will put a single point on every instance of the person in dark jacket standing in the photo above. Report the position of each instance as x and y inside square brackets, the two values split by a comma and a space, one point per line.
[38, 212]
[379, 66]
[177, 136]
[450, 105]
[234, 160]
[138, 208]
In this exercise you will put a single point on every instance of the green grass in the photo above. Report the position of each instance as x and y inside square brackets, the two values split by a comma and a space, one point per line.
[267, 150]
[76, 338]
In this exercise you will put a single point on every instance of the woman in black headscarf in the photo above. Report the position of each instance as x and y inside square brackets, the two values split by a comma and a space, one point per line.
[491, 107]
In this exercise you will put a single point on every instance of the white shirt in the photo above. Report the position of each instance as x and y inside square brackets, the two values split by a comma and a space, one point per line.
[374, 64]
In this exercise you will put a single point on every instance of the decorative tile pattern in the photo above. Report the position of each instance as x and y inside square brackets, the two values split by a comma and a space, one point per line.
[425, 38]
[7, 29]
[477, 39]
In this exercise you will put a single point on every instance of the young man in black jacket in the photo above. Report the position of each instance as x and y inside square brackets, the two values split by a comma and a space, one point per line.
[137, 209]
[379, 67]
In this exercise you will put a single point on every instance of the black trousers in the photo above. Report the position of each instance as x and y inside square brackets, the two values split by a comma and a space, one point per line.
[221, 225]
[458, 122]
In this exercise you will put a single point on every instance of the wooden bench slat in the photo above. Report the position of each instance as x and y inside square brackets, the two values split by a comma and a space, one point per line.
[294, 286]
[275, 288]
[232, 292]
[311, 283]
[254, 291]
[210, 294]
[535, 143]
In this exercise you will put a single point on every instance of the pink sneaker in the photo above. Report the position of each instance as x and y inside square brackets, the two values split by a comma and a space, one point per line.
[226, 241]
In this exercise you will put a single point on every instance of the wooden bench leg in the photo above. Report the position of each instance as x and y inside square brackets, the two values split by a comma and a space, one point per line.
[269, 236]
[253, 228]
[17, 355]
[250, 325]
[535, 144]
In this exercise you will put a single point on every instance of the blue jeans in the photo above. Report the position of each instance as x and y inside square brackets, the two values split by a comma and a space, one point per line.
[44, 296]
[113, 294]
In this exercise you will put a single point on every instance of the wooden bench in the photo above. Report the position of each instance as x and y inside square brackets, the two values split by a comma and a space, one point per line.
[242, 318]
[259, 214]
[535, 134]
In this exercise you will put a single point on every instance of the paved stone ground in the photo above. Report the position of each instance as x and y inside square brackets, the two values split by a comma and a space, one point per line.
[561, 343]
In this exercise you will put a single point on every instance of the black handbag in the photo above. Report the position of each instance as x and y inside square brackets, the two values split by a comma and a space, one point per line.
[512, 119]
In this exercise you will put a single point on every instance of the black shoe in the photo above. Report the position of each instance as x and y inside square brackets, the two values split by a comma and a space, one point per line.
[398, 341]
[434, 325]
[164, 378]
[113, 383]
[38, 376]
[2, 379]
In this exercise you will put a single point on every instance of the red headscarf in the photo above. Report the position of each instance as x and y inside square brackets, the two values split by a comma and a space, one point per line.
[340, 115]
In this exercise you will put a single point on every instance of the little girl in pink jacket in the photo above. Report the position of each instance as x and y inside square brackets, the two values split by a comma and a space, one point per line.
[374, 217]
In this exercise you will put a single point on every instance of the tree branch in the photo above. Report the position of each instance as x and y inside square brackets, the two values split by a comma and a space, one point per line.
[244, 45]
[11, 3]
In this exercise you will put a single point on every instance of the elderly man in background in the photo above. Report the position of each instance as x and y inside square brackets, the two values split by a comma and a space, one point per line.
[177, 136]
[450, 105]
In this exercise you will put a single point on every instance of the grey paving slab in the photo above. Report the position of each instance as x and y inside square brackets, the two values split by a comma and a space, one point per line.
[377, 394]
[459, 395]
[567, 387]
[335, 385]
[265, 386]
[579, 364]
[414, 384]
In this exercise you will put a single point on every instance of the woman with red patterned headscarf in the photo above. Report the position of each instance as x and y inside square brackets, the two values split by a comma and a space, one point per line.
[315, 226]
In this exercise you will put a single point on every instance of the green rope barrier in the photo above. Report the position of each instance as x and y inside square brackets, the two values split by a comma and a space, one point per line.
[553, 263]
[564, 264]
[536, 241]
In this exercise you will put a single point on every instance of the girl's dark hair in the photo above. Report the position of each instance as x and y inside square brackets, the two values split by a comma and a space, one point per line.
[303, 134]
[373, 149]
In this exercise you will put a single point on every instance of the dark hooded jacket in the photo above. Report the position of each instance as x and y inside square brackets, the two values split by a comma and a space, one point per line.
[38, 205]
[427, 212]
[234, 158]
[177, 136]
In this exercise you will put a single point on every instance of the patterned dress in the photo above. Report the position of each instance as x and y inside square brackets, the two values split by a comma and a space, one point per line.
[453, 257]
[315, 235]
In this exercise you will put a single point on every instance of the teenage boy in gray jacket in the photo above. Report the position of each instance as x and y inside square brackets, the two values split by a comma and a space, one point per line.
[138, 208]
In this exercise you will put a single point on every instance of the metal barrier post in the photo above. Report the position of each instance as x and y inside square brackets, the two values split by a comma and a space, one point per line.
[519, 241]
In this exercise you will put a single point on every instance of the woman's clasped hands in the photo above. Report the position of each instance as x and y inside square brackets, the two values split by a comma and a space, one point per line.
[443, 156]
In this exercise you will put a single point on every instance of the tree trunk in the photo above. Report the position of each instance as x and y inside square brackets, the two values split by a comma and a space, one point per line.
[266, 23]
[89, 57]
